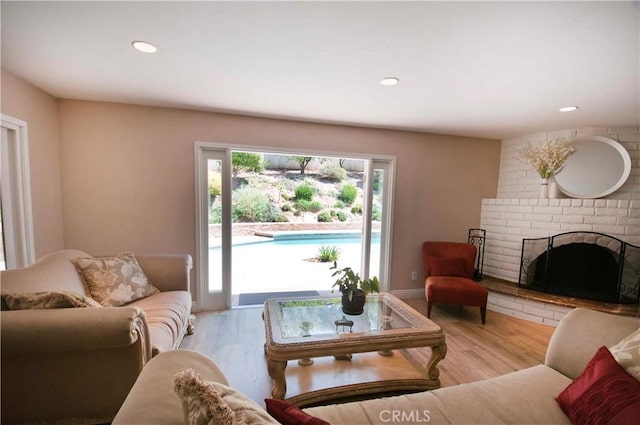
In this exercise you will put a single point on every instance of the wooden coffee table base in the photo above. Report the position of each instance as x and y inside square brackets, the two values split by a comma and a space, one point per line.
[406, 329]
[277, 369]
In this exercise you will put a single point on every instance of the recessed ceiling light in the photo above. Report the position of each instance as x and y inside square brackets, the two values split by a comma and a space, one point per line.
[568, 109]
[144, 47]
[389, 81]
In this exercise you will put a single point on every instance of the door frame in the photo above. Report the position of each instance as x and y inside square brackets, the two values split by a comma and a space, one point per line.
[17, 213]
[201, 150]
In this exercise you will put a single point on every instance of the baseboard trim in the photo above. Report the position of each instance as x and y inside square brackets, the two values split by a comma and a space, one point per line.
[409, 293]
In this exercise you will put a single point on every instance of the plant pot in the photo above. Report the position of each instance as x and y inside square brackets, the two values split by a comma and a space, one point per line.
[356, 305]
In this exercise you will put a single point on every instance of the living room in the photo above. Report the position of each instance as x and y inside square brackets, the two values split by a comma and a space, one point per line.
[113, 173]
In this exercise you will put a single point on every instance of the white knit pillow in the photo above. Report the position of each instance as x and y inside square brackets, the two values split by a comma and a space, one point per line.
[627, 354]
[212, 403]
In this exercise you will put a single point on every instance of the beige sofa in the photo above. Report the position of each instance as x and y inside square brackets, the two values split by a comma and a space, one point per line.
[522, 397]
[77, 365]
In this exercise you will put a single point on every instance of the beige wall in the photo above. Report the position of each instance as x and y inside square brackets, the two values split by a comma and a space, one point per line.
[128, 176]
[39, 110]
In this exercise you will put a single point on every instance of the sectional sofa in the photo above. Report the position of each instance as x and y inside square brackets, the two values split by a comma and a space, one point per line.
[525, 396]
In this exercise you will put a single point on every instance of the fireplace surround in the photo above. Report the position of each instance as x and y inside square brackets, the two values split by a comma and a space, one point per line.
[585, 265]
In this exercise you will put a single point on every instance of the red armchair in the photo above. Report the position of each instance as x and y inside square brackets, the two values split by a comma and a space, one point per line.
[448, 270]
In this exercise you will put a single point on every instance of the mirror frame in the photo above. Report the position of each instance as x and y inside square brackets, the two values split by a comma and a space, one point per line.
[624, 154]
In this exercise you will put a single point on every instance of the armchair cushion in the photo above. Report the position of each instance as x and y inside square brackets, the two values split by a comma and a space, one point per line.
[455, 266]
[455, 290]
[115, 281]
[39, 300]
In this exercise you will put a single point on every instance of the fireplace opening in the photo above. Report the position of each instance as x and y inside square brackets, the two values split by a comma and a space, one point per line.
[578, 270]
[583, 265]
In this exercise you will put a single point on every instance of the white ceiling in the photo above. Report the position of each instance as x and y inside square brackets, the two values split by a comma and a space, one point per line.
[482, 69]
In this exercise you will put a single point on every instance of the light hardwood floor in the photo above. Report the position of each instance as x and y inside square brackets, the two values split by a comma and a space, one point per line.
[234, 339]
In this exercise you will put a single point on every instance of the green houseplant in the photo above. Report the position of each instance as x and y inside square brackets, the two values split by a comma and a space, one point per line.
[354, 290]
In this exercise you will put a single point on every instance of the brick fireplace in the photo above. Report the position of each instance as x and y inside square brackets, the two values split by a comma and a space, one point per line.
[518, 213]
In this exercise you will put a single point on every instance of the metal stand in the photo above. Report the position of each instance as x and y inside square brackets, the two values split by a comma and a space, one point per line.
[477, 238]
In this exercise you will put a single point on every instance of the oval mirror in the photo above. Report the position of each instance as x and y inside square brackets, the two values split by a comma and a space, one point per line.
[597, 168]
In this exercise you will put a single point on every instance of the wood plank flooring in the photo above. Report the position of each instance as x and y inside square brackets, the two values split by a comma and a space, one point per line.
[234, 339]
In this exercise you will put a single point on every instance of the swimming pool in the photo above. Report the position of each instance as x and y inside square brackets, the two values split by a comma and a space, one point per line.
[285, 262]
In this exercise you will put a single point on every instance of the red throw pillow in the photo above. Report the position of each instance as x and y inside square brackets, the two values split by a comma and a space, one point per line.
[288, 414]
[604, 393]
[448, 267]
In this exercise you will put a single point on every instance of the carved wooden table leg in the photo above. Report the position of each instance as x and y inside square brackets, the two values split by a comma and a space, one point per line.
[276, 372]
[437, 353]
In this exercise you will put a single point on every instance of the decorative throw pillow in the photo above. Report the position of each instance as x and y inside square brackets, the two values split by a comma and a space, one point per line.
[288, 414]
[603, 394]
[212, 403]
[115, 281]
[42, 300]
[627, 354]
[448, 267]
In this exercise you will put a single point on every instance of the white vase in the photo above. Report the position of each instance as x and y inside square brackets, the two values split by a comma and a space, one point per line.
[554, 190]
[544, 189]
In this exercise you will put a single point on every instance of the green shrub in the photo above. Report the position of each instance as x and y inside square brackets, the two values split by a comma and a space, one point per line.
[338, 204]
[356, 209]
[215, 214]
[324, 217]
[304, 191]
[273, 215]
[252, 206]
[341, 216]
[348, 193]
[376, 213]
[285, 207]
[246, 161]
[377, 176]
[333, 213]
[215, 185]
[304, 205]
[334, 174]
[328, 254]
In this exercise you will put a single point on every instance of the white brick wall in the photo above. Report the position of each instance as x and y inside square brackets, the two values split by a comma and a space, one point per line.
[533, 311]
[508, 221]
[519, 213]
[518, 180]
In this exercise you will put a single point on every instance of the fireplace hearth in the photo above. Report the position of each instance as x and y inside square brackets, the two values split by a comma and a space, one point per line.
[584, 265]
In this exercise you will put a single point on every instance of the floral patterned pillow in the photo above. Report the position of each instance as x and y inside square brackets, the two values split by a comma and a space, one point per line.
[115, 281]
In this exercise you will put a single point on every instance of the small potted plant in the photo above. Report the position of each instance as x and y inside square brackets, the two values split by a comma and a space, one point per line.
[354, 290]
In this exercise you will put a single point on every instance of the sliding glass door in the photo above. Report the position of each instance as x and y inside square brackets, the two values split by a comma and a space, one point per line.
[261, 220]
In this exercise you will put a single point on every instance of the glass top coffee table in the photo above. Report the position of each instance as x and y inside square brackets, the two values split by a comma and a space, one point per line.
[304, 328]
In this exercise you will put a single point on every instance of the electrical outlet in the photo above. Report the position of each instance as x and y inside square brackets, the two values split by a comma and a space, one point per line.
[414, 275]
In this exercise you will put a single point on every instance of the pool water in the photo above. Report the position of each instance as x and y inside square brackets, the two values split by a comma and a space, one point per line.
[288, 263]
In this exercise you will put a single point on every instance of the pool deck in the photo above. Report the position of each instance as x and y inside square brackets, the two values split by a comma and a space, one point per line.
[295, 271]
